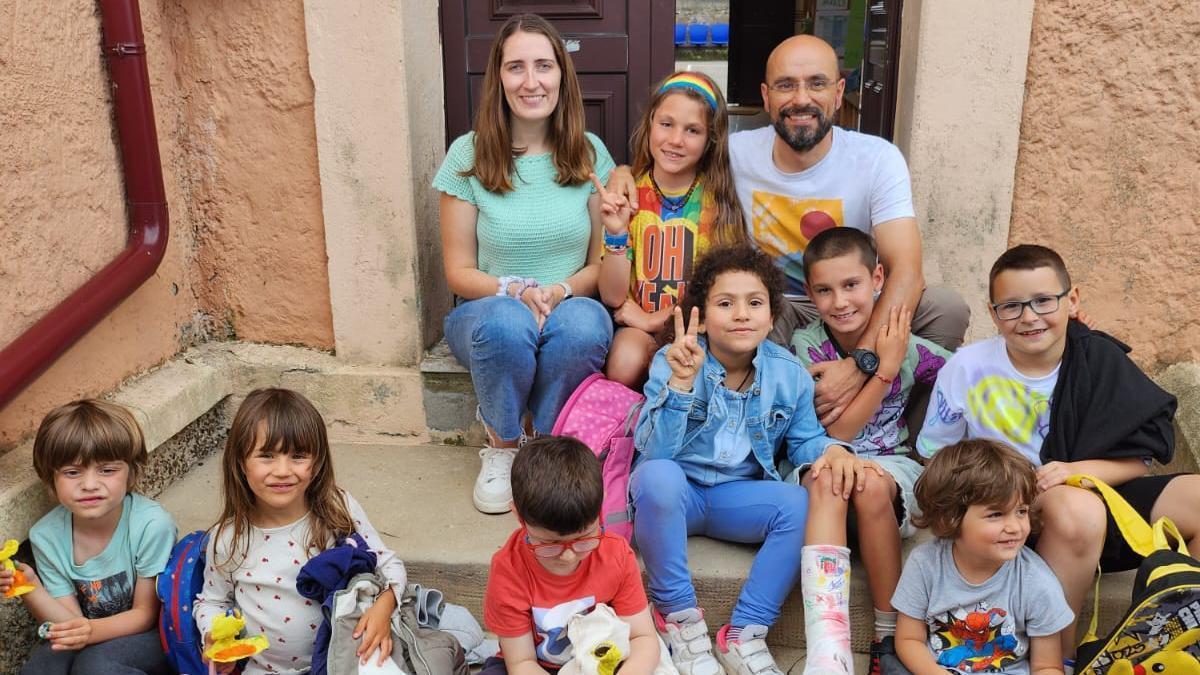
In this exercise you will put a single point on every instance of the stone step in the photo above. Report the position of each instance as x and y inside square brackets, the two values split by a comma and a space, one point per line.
[449, 398]
[419, 498]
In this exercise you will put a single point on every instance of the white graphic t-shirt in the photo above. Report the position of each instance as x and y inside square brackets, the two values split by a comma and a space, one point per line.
[862, 182]
[980, 394]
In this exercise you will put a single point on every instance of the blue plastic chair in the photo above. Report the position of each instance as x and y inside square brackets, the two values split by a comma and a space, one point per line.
[720, 34]
[698, 34]
[680, 34]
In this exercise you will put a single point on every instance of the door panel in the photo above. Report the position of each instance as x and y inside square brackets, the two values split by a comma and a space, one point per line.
[880, 68]
[619, 49]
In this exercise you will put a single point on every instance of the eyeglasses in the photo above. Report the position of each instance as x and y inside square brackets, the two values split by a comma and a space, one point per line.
[1042, 304]
[580, 545]
[815, 85]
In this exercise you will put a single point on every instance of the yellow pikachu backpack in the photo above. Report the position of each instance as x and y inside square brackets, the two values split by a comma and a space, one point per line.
[1160, 632]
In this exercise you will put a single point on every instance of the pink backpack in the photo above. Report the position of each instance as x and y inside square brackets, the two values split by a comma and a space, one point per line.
[603, 414]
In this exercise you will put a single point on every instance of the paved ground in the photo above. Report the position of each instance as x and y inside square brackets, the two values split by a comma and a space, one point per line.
[418, 497]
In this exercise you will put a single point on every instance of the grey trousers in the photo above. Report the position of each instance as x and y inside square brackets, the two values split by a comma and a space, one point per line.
[941, 317]
[130, 655]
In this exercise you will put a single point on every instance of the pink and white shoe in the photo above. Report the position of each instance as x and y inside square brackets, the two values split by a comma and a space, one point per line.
[686, 636]
[748, 654]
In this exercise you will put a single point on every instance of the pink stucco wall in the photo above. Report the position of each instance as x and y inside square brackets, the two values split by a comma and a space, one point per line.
[1109, 164]
[233, 104]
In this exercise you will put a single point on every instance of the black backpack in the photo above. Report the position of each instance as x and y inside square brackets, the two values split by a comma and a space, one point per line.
[1160, 632]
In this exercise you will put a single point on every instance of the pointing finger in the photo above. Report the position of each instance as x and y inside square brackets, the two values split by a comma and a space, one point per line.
[678, 325]
[599, 187]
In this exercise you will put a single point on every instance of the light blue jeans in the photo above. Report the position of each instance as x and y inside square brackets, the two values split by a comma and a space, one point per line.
[515, 368]
[668, 508]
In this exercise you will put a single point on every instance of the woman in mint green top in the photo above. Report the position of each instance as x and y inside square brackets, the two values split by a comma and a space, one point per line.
[521, 241]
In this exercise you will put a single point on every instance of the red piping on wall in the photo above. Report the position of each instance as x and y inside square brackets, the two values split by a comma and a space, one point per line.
[34, 351]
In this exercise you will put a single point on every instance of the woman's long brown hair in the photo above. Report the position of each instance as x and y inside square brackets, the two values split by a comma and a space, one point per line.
[573, 155]
[286, 421]
[729, 227]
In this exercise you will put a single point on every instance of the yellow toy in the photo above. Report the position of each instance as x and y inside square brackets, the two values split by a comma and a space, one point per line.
[227, 647]
[1171, 659]
[607, 657]
[21, 585]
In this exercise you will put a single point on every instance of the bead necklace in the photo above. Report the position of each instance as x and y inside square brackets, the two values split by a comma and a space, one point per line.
[673, 204]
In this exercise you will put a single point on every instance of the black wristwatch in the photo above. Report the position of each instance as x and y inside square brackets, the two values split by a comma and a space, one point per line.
[866, 360]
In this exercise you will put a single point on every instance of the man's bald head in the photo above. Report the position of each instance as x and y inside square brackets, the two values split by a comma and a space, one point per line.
[802, 92]
[806, 52]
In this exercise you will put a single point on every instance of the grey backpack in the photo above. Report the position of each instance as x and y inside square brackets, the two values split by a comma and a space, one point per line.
[415, 649]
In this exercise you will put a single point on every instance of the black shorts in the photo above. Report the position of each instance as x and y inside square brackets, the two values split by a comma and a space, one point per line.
[1141, 493]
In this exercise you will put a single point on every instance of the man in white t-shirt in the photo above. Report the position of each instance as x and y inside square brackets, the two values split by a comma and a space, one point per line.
[801, 176]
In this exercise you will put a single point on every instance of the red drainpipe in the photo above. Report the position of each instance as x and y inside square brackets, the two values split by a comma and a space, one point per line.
[32, 353]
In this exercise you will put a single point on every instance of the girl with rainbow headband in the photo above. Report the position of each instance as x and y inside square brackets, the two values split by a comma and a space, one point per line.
[687, 204]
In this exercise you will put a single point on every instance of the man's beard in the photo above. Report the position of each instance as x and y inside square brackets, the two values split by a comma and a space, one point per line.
[802, 139]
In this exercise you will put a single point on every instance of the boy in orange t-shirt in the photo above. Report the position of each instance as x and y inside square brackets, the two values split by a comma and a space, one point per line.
[559, 563]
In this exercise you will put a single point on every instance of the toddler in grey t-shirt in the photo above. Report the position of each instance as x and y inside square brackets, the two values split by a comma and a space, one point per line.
[976, 600]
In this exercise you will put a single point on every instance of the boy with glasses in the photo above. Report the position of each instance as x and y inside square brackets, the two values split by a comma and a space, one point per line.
[1070, 400]
[559, 563]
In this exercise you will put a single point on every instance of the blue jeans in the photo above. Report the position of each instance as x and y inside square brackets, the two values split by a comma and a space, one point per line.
[668, 508]
[515, 368]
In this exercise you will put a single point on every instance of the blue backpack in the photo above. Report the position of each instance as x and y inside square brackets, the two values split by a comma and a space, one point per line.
[177, 588]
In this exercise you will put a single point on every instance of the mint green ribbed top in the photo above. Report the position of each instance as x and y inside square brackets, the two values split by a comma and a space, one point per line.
[539, 229]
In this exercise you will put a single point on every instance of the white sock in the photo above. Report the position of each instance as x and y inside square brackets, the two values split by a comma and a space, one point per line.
[825, 587]
[885, 624]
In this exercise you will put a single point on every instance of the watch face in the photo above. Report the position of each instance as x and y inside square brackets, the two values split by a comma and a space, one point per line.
[867, 361]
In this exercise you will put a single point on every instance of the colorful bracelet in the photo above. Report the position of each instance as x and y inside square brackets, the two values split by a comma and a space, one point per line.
[612, 241]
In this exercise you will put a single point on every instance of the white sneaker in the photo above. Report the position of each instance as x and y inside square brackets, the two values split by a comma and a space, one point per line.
[748, 655]
[493, 491]
[686, 635]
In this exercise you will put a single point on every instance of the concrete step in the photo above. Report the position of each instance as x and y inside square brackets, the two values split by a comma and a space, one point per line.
[450, 401]
[419, 498]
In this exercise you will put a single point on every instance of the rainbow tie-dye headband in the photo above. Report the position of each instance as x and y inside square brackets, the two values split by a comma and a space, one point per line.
[694, 83]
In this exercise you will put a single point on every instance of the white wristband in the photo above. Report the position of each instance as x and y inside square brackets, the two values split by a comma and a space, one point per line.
[566, 289]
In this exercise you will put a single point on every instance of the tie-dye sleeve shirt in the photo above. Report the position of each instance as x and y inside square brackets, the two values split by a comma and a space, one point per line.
[886, 433]
[980, 394]
[664, 244]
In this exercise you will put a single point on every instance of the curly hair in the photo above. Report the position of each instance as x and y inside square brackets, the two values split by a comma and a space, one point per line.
[737, 258]
[970, 473]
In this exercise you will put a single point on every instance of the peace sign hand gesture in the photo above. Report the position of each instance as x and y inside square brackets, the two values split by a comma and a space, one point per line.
[685, 356]
[615, 211]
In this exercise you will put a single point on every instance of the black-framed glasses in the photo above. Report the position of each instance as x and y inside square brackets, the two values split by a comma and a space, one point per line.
[580, 545]
[1042, 304]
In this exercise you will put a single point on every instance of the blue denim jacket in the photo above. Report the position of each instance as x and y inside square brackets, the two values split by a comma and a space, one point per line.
[780, 413]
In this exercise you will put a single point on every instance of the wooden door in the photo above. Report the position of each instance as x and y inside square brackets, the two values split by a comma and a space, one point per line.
[881, 61]
[619, 48]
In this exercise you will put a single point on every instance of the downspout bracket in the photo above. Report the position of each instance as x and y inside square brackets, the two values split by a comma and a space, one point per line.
[128, 48]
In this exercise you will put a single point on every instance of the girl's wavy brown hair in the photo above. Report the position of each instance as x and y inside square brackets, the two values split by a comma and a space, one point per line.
[286, 421]
[714, 169]
[968, 473]
[573, 155]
